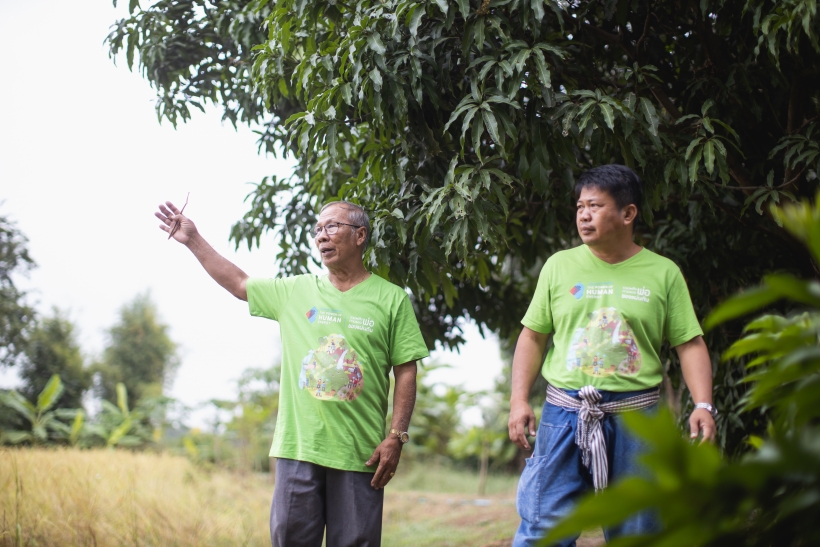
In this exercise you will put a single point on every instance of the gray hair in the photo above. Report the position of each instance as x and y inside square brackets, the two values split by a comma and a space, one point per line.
[355, 214]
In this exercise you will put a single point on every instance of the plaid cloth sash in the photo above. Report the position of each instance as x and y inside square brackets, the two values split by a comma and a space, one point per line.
[589, 435]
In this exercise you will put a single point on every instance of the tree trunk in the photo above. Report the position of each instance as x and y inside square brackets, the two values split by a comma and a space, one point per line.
[482, 472]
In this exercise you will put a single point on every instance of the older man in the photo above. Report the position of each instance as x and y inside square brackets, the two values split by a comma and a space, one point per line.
[342, 333]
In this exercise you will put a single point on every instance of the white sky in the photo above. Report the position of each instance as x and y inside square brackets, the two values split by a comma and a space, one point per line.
[83, 165]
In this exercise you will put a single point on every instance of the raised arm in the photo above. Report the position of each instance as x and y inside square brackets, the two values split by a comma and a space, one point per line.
[223, 271]
[529, 354]
[697, 373]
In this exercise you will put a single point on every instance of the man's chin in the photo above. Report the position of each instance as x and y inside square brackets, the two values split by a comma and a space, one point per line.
[588, 239]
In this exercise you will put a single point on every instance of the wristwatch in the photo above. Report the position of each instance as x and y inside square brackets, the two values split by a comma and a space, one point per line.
[712, 410]
[402, 435]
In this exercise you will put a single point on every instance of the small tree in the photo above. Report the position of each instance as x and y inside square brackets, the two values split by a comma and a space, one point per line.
[437, 414]
[252, 417]
[140, 354]
[53, 349]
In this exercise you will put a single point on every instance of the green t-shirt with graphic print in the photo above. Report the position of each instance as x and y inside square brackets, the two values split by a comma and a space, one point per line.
[337, 352]
[609, 320]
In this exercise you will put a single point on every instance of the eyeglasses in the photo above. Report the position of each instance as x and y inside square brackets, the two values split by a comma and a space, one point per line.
[331, 228]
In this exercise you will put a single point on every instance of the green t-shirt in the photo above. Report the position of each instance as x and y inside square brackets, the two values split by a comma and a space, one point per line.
[609, 320]
[337, 352]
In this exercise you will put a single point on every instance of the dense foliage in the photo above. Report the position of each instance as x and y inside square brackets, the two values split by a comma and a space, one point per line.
[771, 497]
[463, 124]
[15, 313]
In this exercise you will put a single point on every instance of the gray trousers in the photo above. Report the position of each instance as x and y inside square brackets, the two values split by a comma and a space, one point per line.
[308, 497]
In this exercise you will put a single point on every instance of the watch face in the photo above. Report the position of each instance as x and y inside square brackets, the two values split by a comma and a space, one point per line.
[404, 437]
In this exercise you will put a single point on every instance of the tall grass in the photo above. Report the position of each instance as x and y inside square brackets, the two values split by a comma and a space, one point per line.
[101, 498]
[115, 498]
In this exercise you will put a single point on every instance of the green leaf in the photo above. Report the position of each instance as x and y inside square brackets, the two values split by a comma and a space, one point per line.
[694, 163]
[76, 427]
[15, 401]
[708, 125]
[442, 5]
[50, 394]
[415, 19]
[610, 507]
[478, 130]
[609, 115]
[119, 432]
[122, 398]
[375, 43]
[492, 126]
[537, 9]
[650, 115]
[283, 87]
[706, 106]
[739, 305]
[15, 437]
[541, 68]
[331, 140]
[709, 156]
[376, 78]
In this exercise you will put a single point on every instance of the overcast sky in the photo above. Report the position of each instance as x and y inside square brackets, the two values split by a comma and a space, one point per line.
[83, 165]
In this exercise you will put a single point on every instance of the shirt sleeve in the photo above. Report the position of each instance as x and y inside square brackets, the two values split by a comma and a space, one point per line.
[268, 296]
[406, 341]
[681, 322]
[539, 313]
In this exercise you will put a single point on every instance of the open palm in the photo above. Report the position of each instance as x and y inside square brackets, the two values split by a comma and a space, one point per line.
[170, 216]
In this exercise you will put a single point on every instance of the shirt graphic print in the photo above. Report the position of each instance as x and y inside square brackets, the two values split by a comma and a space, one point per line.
[338, 349]
[609, 321]
[604, 346]
[332, 370]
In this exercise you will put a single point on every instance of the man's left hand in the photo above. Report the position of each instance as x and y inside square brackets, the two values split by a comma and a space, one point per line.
[387, 454]
[701, 420]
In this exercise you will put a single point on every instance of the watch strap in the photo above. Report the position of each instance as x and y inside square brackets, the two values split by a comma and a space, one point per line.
[711, 409]
[403, 436]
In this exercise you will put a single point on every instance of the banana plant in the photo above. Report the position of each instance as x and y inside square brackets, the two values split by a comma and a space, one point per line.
[118, 425]
[43, 420]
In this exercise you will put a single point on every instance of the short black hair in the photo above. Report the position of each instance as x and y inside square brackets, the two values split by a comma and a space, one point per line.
[619, 181]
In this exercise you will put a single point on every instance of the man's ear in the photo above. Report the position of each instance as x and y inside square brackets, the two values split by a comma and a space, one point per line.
[630, 213]
[361, 239]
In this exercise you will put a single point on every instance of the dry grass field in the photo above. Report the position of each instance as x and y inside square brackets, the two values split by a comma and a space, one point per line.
[102, 498]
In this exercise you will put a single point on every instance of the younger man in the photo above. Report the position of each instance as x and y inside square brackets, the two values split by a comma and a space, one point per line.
[609, 304]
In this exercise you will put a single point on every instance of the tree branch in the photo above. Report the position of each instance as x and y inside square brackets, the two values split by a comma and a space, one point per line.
[796, 117]
[643, 36]
[805, 123]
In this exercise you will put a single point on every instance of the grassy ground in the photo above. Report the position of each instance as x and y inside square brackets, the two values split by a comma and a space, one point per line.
[433, 505]
[102, 498]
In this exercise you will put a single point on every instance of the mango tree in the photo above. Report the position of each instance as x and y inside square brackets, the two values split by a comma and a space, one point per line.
[462, 125]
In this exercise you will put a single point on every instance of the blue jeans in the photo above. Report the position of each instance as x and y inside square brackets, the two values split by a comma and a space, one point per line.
[554, 477]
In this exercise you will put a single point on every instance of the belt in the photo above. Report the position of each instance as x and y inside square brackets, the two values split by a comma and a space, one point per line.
[589, 435]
